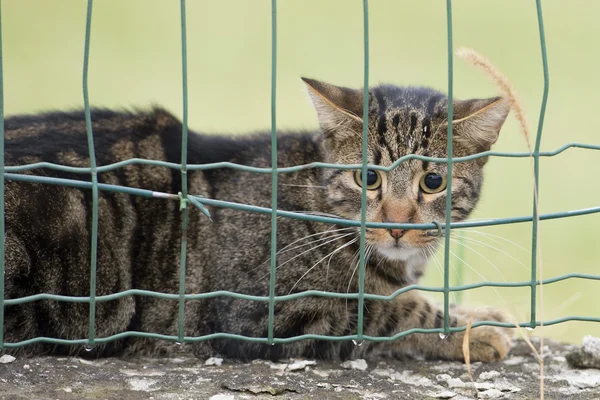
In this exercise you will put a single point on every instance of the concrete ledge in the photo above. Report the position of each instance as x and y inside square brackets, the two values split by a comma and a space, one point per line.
[181, 378]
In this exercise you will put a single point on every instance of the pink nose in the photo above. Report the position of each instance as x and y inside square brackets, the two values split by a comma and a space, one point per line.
[397, 233]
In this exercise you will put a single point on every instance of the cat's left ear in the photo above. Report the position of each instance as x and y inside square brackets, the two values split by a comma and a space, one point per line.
[338, 108]
[477, 123]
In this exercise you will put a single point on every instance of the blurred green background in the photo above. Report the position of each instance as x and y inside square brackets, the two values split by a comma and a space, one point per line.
[135, 61]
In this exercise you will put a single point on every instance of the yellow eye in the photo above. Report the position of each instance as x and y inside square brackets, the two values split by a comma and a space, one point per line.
[373, 179]
[433, 183]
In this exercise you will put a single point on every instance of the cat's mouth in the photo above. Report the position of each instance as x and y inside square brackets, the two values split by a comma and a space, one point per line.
[399, 251]
[411, 245]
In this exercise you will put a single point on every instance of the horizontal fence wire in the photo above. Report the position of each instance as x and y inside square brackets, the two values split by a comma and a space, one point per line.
[15, 173]
[298, 215]
[297, 168]
[213, 336]
[307, 293]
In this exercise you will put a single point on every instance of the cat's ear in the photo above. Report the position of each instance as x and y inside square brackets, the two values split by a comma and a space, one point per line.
[477, 123]
[338, 108]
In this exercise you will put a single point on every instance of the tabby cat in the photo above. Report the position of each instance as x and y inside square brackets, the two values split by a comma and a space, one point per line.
[48, 229]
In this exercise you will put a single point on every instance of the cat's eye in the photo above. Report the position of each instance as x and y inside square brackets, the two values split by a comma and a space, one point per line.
[433, 183]
[373, 179]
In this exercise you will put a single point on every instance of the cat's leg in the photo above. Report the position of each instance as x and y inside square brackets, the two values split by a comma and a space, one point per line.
[412, 310]
[19, 322]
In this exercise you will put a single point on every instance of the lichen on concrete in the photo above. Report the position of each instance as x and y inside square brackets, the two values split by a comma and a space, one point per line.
[588, 355]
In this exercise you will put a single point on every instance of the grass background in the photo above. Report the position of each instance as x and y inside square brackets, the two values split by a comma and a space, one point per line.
[135, 61]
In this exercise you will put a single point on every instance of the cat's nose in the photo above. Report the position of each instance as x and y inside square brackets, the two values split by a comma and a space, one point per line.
[397, 233]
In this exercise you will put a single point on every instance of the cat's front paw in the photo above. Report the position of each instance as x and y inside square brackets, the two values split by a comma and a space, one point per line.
[484, 314]
[486, 343]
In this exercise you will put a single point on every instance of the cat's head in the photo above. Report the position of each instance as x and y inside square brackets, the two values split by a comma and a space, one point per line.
[403, 120]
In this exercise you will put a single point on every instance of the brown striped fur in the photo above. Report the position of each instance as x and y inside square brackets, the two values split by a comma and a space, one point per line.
[48, 229]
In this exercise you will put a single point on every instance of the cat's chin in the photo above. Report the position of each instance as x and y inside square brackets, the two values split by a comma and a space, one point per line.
[400, 254]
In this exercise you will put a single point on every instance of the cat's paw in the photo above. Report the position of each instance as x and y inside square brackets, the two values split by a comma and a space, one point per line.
[488, 343]
[483, 314]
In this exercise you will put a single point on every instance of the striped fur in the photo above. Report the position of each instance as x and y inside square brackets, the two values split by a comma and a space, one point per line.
[48, 229]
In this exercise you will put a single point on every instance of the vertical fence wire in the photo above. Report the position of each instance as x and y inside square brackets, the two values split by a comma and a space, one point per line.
[184, 179]
[536, 167]
[363, 204]
[273, 265]
[449, 173]
[94, 173]
[1, 189]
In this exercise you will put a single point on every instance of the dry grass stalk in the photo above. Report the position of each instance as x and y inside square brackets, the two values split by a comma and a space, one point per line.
[503, 83]
[467, 353]
[524, 335]
[511, 95]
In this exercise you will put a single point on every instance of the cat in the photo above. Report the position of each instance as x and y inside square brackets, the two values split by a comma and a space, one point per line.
[48, 229]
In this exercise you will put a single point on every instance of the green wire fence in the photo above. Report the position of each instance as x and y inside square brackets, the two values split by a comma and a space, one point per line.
[185, 199]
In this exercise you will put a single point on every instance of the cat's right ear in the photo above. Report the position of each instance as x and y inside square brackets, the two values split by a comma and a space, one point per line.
[338, 108]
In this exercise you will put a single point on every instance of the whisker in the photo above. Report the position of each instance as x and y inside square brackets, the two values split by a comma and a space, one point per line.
[309, 250]
[475, 241]
[330, 258]
[318, 262]
[479, 219]
[367, 258]
[355, 255]
[352, 277]
[336, 233]
[440, 268]
[368, 251]
[481, 276]
[286, 248]
[382, 258]
[528, 251]
[481, 255]
[324, 214]
[356, 259]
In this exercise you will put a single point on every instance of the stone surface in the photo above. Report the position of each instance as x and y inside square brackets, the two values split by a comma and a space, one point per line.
[359, 364]
[214, 361]
[588, 356]
[455, 383]
[491, 394]
[7, 359]
[591, 345]
[189, 378]
[446, 394]
[489, 375]
[299, 365]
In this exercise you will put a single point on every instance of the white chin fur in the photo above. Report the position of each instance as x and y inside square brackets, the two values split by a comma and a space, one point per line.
[413, 259]
[401, 254]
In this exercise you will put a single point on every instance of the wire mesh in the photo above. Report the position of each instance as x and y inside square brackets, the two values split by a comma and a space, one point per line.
[186, 199]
